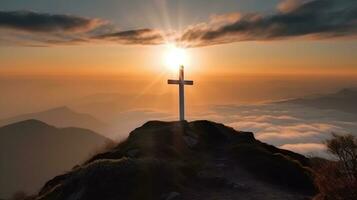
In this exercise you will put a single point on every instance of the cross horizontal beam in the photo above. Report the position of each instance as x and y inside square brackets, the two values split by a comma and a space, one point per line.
[178, 82]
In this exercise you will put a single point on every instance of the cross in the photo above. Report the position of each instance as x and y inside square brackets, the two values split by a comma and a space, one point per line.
[181, 82]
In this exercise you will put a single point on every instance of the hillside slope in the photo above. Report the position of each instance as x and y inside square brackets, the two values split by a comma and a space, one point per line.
[189, 161]
[61, 117]
[31, 152]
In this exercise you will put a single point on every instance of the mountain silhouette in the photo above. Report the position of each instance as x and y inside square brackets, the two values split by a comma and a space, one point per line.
[186, 160]
[61, 117]
[32, 151]
[343, 100]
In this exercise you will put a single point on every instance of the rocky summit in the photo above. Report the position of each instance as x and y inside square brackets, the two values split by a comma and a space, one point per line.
[186, 161]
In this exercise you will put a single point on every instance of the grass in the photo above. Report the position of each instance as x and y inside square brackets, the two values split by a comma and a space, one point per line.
[274, 167]
[119, 179]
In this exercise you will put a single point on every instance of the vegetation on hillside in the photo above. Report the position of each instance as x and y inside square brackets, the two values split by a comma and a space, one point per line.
[338, 180]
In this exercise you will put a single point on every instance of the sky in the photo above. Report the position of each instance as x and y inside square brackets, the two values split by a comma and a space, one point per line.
[39, 37]
[238, 51]
[65, 52]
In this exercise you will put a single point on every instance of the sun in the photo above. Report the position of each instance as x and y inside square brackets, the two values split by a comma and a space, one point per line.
[174, 57]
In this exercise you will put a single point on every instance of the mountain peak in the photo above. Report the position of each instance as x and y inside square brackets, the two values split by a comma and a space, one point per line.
[348, 91]
[199, 159]
[61, 117]
[29, 124]
[62, 109]
[342, 100]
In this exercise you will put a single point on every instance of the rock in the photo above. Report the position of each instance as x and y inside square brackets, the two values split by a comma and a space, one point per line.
[190, 141]
[133, 153]
[173, 196]
[75, 196]
[239, 186]
[220, 165]
[203, 174]
[212, 180]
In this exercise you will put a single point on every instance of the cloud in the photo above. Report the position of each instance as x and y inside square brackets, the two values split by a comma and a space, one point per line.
[225, 18]
[312, 149]
[23, 28]
[290, 5]
[139, 36]
[251, 125]
[316, 19]
[297, 128]
[312, 19]
[29, 28]
[279, 133]
[30, 21]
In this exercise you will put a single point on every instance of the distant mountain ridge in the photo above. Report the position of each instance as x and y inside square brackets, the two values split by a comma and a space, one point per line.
[186, 161]
[61, 117]
[343, 100]
[32, 151]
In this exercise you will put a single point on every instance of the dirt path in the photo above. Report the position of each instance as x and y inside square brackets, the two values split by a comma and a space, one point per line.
[229, 181]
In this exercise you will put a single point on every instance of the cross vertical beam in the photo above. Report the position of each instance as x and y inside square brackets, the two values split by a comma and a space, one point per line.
[181, 82]
[182, 94]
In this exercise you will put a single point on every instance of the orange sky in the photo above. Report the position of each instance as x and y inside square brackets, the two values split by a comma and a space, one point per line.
[290, 57]
[38, 78]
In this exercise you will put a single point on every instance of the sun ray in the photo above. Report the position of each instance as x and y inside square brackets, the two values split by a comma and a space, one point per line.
[174, 57]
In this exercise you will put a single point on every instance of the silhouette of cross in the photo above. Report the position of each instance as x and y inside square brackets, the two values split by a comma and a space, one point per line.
[181, 82]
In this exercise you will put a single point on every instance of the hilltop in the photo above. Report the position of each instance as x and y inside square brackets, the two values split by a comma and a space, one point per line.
[31, 152]
[186, 160]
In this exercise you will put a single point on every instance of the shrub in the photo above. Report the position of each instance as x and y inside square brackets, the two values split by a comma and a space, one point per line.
[337, 179]
[332, 184]
[345, 149]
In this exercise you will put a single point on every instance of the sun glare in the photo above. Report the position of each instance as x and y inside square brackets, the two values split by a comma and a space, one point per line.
[174, 57]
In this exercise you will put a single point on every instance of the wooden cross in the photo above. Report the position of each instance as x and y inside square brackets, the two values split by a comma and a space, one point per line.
[181, 82]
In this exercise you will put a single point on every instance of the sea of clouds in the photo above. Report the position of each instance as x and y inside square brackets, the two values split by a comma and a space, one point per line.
[293, 127]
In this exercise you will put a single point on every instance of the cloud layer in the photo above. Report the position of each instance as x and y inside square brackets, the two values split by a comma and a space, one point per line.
[43, 29]
[313, 19]
[139, 36]
[43, 22]
[297, 128]
[317, 19]
[311, 149]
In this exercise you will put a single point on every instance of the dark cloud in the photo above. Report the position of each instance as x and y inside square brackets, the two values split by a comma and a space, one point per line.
[314, 19]
[105, 35]
[24, 26]
[139, 36]
[42, 22]
[317, 18]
